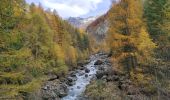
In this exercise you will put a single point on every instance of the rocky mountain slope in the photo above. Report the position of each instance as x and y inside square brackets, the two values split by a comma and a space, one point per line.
[81, 23]
[99, 28]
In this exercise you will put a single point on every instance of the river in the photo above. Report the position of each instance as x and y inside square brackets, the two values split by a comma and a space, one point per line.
[82, 80]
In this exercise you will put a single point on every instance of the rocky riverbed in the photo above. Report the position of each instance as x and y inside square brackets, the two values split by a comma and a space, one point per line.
[96, 79]
[73, 86]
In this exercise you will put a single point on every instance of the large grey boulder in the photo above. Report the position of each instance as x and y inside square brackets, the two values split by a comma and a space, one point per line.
[53, 89]
[87, 70]
[98, 62]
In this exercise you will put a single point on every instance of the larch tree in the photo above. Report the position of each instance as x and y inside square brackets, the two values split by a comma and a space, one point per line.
[126, 29]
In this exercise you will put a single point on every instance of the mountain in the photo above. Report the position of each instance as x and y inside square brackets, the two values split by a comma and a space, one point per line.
[81, 23]
[98, 28]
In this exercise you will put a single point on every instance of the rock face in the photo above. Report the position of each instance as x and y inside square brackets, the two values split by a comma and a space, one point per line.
[81, 22]
[99, 28]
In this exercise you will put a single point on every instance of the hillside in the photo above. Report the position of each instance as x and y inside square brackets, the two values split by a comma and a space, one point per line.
[35, 45]
[98, 28]
[123, 54]
[81, 23]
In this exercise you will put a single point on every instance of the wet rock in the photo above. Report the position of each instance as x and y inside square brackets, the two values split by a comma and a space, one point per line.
[98, 62]
[86, 75]
[73, 74]
[71, 81]
[87, 70]
[82, 68]
[81, 73]
[72, 88]
[78, 87]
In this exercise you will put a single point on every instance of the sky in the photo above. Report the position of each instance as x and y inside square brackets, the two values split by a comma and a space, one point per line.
[75, 8]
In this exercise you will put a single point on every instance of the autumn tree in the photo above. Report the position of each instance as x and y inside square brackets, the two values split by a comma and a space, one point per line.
[33, 44]
[10, 12]
[127, 34]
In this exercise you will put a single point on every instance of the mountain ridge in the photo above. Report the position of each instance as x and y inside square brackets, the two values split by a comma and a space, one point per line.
[82, 23]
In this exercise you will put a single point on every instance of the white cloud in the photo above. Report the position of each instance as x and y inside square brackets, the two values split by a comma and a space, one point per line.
[74, 8]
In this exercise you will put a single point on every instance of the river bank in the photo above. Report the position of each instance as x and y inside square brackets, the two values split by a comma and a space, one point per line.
[73, 85]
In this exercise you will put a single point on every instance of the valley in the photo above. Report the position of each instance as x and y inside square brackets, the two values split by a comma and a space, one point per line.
[50, 51]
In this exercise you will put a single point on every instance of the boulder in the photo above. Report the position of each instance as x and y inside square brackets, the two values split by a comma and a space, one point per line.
[112, 78]
[78, 87]
[87, 70]
[81, 73]
[52, 77]
[98, 62]
[53, 89]
[101, 68]
[115, 78]
[46, 87]
[63, 91]
[100, 74]
[131, 90]
[86, 75]
[122, 86]
[104, 77]
[80, 64]
[73, 74]
[82, 68]
[71, 81]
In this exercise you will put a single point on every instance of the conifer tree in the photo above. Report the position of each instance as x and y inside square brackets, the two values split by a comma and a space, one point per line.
[157, 13]
[125, 30]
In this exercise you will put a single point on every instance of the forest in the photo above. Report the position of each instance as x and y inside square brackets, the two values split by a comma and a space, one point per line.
[33, 43]
[36, 44]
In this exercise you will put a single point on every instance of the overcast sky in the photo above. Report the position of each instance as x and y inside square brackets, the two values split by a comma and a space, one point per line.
[76, 8]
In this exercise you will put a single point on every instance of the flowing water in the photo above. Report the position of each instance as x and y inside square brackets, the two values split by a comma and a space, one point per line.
[76, 90]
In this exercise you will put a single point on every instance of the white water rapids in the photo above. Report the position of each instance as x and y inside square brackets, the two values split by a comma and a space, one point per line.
[80, 85]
